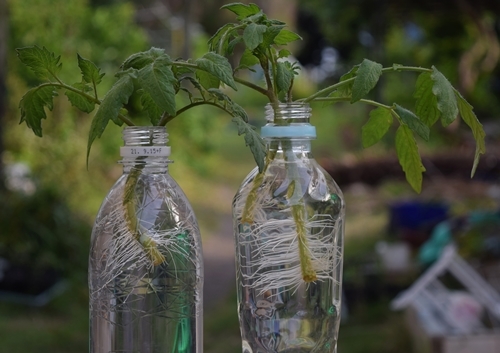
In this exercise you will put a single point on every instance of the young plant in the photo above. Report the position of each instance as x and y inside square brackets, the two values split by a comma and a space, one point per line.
[157, 78]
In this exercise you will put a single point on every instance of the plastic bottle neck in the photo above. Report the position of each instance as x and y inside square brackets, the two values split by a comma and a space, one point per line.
[145, 147]
[288, 128]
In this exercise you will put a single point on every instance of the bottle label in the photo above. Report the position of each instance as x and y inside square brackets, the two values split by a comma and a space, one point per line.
[140, 151]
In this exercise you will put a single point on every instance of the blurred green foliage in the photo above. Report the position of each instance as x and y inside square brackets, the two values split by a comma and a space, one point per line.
[460, 38]
[41, 229]
[51, 227]
[68, 27]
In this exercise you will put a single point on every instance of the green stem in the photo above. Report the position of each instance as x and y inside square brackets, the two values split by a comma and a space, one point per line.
[264, 63]
[139, 232]
[85, 95]
[306, 267]
[73, 89]
[348, 99]
[299, 214]
[185, 64]
[167, 118]
[251, 85]
[332, 88]
[326, 90]
[274, 69]
[406, 68]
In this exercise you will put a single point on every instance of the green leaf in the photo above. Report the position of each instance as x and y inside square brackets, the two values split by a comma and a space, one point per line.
[33, 105]
[285, 36]
[110, 107]
[214, 43]
[78, 100]
[253, 35]
[219, 95]
[242, 10]
[152, 109]
[270, 35]
[252, 140]
[158, 80]
[367, 77]
[194, 82]
[284, 76]
[346, 90]
[231, 45]
[90, 72]
[228, 104]
[409, 158]
[42, 62]
[142, 59]
[284, 53]
[180, 70]
[426, 101]
[376, 127]
[446, 100]
[413, 122]
[469, 117]
[248, 60]
[218, 66]
[207, 80]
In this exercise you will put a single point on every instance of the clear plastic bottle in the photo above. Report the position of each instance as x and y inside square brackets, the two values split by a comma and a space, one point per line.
[145, 268]
[289, 226]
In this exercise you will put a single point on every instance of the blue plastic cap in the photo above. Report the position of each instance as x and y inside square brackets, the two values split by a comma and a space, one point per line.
[304, 131]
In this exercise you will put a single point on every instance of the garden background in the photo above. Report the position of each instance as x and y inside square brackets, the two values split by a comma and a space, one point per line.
[48, 197]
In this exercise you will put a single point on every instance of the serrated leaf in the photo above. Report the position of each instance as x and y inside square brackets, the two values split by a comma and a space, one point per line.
[253, 35]
[409, 158]
[470, 118]
[32, 106]
[367, 77]
[285, 36]
[180, 70]
[158, 80]
[207, 80]
[446, 100]
[413, 122]
[219, 95]
[270, 35]
[237, 110]
[257, 18]
[284, 53]
[252, 140]
[376, 127]
[230, 46]
[242, 10]
[346, 90]
[90, 72]
[142, 59]
[284, 76]
[228, 104]
[218, 66]
[110, 107]
[248, 59]
[42, 62]
[77, 100]
[426, 101]
[214, 43]
[194, 82]
[153, 111]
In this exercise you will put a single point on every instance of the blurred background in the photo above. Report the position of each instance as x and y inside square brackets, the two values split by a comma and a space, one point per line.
[48, 198]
